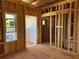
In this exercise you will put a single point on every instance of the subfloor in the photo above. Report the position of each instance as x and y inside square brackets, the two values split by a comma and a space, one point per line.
[29, 43]
[40, 51]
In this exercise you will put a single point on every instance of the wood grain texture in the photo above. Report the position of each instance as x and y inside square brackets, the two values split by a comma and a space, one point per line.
[40, 51]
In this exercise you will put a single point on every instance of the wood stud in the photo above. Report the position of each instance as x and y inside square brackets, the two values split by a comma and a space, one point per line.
[61, 8]
[21, 9]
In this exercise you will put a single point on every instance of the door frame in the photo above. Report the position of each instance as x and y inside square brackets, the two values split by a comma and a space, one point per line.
[36, 30]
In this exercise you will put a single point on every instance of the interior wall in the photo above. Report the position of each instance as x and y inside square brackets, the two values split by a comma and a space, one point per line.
[1, 36]
[20, 9]
[66, 26]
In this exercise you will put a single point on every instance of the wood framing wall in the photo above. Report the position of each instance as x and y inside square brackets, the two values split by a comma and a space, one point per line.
[1, 30]
[20, 9]
[66, 24]
[78, 28]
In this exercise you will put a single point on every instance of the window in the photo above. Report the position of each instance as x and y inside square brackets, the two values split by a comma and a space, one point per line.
[11, 34]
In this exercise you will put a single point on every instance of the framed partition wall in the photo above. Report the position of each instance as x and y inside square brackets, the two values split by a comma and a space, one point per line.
[63, 25]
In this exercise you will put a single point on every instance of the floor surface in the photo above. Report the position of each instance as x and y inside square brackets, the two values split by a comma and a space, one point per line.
[40, 51]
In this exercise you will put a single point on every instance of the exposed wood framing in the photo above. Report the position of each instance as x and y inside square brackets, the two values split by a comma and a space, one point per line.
[72, 42]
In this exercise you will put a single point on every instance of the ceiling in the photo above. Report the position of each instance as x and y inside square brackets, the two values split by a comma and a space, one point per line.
[29, 1]
[39, 2]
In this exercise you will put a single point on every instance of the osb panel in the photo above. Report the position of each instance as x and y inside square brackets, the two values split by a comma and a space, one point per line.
[21, 29]
[20, 9]
[12, 7]
[78, 34]
[20, 44]
[1, 35]
[14, 46]
[1, 26]
[1, 49]
[11, 47]
[0, 4]
[7, 48]
[9, 6]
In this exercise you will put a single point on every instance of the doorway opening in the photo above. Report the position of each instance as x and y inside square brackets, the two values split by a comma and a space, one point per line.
[45, 30]
[52, 32]
[31, 30]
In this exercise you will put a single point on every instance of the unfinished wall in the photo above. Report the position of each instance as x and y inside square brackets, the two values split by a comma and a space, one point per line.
[66, 24]
[20, 9]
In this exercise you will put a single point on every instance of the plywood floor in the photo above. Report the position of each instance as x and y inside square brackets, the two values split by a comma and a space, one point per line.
[29, 43]
[40, 51]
